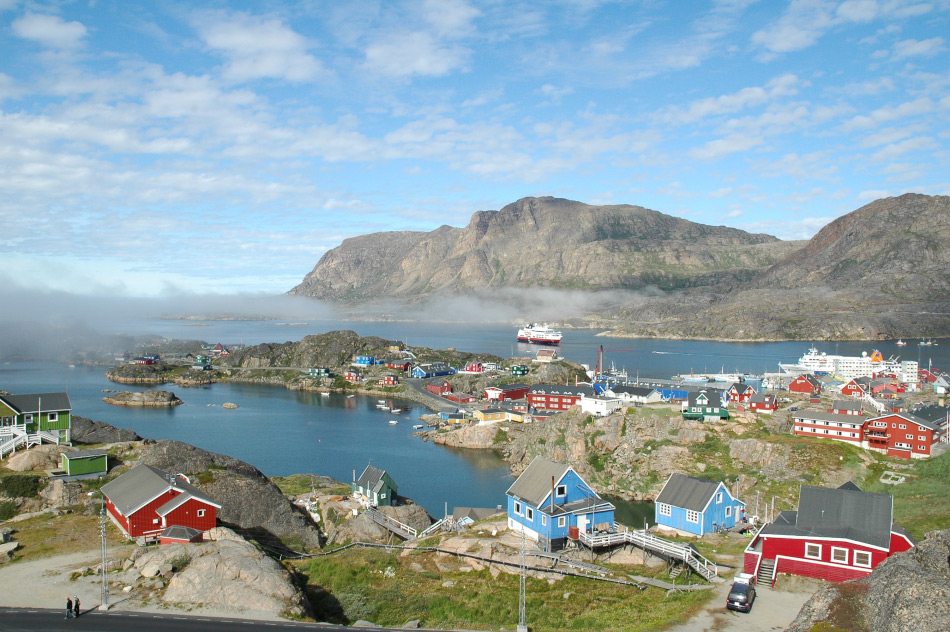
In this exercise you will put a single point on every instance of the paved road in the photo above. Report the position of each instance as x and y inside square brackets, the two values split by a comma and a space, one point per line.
[40, 620]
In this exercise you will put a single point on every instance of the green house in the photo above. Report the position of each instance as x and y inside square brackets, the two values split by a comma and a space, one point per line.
[375, 486]
[85, 463]
[519, 369]
[47, 413]
[705, 405]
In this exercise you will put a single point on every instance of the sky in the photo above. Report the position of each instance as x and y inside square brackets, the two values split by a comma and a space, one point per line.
[163, 148]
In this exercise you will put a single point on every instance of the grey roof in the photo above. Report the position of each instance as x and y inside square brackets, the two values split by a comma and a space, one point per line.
[841, 513]
[820, 415]
[372, 479]
[635, 391]
[847, 404]
[474, 513]
[143, 484]
[850, 485]
[762, 398]
[30, 403]
[85, 454]
[534, 484]
[932, 425]
[714, 397]
[932, 413]
[178, 532]
[688, 492]
[505, 388]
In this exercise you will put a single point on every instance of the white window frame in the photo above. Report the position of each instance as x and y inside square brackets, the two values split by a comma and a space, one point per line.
[561, 521]
[728, 511]
[201, 513]
[692, 516]
[921, 437]
[52, 417]
[544, 520]
[560, 490]
[518, 509]
[865, 554]
[154, 520]
[719, 498]
[529, 513]
[812, 556]
[664, 509]
[836, 551]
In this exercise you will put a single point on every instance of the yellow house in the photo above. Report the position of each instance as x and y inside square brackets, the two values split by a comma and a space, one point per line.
[490, 415]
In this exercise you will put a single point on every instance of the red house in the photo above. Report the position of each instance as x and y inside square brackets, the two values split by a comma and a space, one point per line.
[902, 435]
[354, 377]
[836, 535]
[145, 501]
[763, 402]
[857, 387]
[404, 365]
[507, 392]
[806, 384]
[439, 389]
[846, 407]
[821, 425]
[740, 393]
[556, 397]
[388, 380]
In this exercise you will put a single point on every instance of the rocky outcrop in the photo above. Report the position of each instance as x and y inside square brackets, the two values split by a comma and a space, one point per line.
[908, 592]
[85, 430]
[229, 573]
[473, 437]
[361, 528]
[143, 398]
[41, 457]
[248, 499]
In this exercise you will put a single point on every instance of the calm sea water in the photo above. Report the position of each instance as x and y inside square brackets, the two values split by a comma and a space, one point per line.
[283, 432]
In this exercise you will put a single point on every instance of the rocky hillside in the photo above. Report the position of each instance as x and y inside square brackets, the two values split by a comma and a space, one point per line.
[909, 591]
[542, 242]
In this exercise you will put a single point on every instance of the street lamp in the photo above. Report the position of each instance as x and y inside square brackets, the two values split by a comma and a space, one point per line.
[104, 591]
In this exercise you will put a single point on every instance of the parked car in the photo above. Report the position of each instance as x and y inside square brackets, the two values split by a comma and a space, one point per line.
[742, 593]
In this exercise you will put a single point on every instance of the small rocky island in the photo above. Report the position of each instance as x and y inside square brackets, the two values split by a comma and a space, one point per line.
[143, 398]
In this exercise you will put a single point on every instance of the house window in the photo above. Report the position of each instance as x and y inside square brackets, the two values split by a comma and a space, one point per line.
[544, 520]
[921, 438]
[839, 555]
[903, 426]
[529, 513]
[663, 509]
[562, 489]
[561, 521]
[28, 417]
[910, 436]
[517, 508]
[813, 551]
[201, 513]
[862, 558]
[728, 512]
[154, 520]
[719, 498]
[921, 448]
[692, 516]
[52, 417]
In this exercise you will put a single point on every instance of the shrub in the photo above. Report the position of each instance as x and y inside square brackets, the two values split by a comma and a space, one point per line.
[19, 486]
[8, 509]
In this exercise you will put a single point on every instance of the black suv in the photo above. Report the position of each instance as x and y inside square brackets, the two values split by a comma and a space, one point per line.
[741, 597]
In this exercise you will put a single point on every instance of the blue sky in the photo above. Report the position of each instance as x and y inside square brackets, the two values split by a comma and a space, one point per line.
[154, 148]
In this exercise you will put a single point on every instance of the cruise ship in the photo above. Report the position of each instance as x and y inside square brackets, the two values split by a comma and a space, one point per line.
[847, 367]
[539, 334]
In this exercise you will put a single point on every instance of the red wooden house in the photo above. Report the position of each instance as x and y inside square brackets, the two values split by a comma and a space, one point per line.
[145, 501]
[903, 435]
[555, 396]
[354, 377]
[846, 407]
[763, 402]
[836, 535]
[388, 380]
[857, 387]
[806, 384]
[507, 392]
[441, 389]
[740, 393]
[403, 365]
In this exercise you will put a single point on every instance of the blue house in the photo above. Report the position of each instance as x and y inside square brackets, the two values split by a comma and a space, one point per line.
[697, 506]
[549, 499]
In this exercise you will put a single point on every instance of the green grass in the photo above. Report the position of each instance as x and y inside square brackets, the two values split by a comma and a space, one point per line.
[377, 586]
[921, 503]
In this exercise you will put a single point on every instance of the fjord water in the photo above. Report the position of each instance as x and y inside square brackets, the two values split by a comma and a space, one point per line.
[285, 432]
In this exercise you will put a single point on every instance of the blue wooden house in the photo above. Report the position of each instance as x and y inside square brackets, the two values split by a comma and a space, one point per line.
[697, 506]
[550, 499]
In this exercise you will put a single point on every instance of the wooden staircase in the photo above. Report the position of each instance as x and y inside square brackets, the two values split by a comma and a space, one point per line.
[766, 576]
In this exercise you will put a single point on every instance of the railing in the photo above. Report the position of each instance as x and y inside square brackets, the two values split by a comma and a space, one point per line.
[12, 437]
[648, 542]
[399, 528]
[432, 528]
[45, 435]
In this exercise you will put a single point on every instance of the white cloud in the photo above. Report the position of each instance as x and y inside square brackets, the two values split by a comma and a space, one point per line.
[803, 23]
[418, 53]
[858, 10]
[450, 17]
[786, 85]
[257, 47]
[893, 150]
[50, 30]
[888, 113]
[722, 147]
[918, 48]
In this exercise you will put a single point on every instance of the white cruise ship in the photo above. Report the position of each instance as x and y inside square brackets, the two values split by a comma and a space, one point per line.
[847, 367]
[539, 334]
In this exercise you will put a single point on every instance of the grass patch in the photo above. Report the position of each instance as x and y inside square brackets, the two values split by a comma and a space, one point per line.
[20, 485]
[501, 437]
[921, 503]
[46, 536]
[382, 588]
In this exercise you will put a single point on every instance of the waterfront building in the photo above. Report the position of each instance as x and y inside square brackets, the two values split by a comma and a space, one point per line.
[696, 506]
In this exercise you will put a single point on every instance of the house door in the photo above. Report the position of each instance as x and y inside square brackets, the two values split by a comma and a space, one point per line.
[582, 523]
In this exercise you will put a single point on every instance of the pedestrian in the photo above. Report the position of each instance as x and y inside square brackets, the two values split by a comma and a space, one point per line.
[69, 608]
[76, 606]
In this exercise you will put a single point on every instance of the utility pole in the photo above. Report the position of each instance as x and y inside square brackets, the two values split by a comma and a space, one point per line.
[522, 626]
[104, 590]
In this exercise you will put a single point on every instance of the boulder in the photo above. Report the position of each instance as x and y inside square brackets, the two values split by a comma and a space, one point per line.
[85, 430]
[39, 458]
[143, 398]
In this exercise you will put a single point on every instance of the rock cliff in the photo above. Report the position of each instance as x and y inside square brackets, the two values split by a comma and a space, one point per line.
[143, 398]
[909, 592]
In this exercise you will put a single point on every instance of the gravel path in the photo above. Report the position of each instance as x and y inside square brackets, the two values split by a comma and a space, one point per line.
[774, 608]
[45, 583]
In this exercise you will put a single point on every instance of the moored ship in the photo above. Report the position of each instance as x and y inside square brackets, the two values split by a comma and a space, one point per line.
[539, 334]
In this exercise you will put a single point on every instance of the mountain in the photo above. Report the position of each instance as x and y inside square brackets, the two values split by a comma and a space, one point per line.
[542, 242]
[877, 272]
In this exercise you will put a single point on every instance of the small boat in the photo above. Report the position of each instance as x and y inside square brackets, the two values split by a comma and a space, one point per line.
[382, 406]
[901, 343]
[396, 410]
[324, 394]
[393, 422]
[350, 396]
[418, 427]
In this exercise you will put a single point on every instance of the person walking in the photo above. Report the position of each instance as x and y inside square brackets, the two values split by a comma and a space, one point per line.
[69, 608]
[76, 606]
